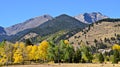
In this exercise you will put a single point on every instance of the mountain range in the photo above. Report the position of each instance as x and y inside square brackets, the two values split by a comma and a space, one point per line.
[46, 25]
[31, 23]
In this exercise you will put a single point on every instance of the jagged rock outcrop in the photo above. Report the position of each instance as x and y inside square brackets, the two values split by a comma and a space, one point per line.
[90, 17]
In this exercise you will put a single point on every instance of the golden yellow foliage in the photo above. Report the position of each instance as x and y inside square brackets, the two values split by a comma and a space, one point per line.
[95, 58]
[3, 58]
[21, 45]
[66, 41]
[28, 52]
[116, 47]
[42, 50]
[33, 52]
[3, 61]
[29, 48]
[18, 58]
[19, 51]
[16, 44]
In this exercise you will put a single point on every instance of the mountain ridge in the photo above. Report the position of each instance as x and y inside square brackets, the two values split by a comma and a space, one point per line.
[59, 23]
[31, 23]
[41, 26]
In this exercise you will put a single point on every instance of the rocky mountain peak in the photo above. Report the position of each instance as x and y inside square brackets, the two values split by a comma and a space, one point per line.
[90, 17]
[47, 16]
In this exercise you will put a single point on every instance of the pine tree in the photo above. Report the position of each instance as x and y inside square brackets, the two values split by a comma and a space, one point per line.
[51, 56]
[115, 56]
[101, 58]
[28, 42]
[77, 56]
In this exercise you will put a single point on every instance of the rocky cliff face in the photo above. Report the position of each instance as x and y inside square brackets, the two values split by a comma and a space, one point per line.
[90, 17]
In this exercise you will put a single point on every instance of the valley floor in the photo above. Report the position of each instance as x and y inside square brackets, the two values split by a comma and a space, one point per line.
[68, 65]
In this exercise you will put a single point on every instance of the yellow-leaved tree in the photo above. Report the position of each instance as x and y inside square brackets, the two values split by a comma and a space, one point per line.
[28, 52]
[42, 50]
[33, 52]
[18, 57]
[116, 47]
[3, 57]
[5, 54]
[66, 41]
[19, 52]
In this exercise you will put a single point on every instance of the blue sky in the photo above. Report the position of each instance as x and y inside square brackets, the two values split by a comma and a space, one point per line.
[17, 11]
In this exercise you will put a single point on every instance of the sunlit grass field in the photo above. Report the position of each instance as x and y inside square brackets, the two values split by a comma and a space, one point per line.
[68, 65]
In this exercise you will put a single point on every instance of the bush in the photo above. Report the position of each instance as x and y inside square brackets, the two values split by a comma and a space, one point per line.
[77, 56]
[101, 58]
[115, 57]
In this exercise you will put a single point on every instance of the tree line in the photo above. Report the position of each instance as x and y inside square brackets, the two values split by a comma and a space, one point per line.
[62, 52]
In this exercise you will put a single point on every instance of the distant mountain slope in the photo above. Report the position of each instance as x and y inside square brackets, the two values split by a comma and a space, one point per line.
[62, 22]
[31, 23]
[90, 17]
[2, 31]
[47, 27]
[34, 22]
[107, 28]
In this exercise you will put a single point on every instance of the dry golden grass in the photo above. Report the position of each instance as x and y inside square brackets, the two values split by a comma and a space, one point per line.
[98, 31]
[68, 65]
